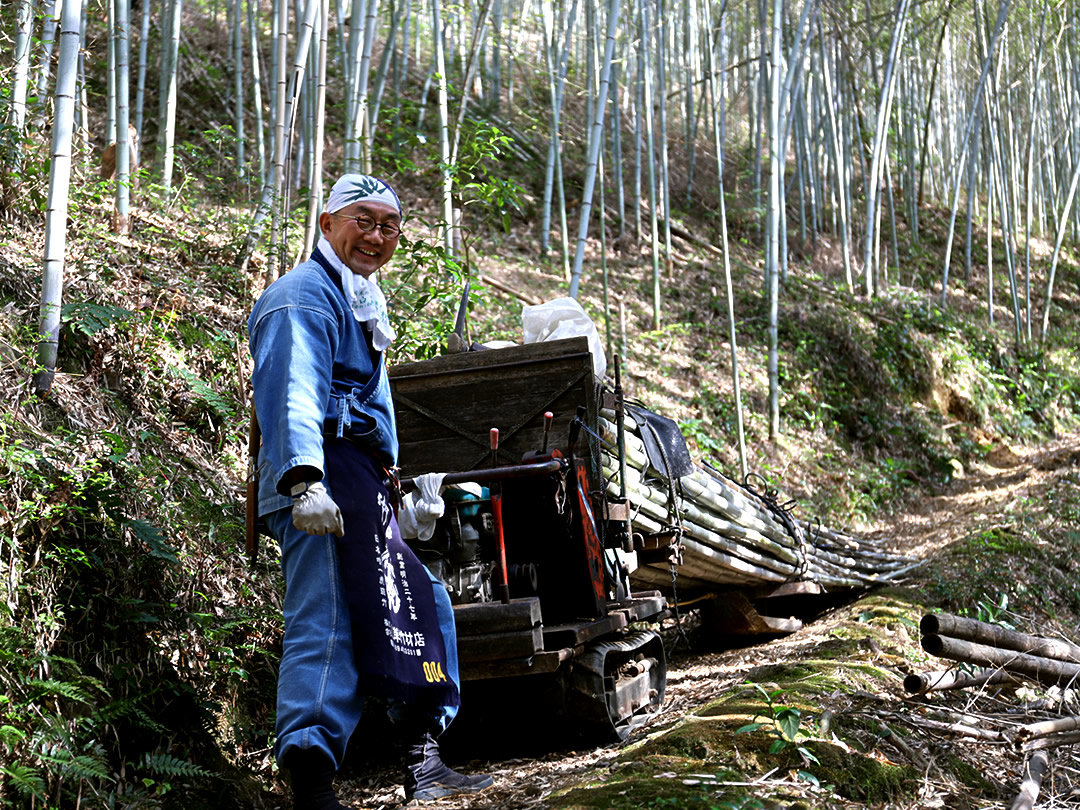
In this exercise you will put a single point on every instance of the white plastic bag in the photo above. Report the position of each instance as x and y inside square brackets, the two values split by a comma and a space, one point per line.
[563, 318]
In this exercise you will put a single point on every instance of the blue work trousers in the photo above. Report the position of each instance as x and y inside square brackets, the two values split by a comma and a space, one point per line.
[319, 702]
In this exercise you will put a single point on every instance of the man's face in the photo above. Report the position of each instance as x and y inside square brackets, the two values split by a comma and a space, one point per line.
[362, 252]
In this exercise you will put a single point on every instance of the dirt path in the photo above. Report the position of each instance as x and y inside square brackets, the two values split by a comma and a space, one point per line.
[984, 499]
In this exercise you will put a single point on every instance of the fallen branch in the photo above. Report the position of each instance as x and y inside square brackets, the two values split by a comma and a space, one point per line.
[902, 745]
[1045, 728]
[1052, 741]
[953, 679]
[962, 729]
[498, 285]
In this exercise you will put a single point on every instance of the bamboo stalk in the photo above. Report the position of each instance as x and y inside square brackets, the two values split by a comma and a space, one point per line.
[718, 516]
[963, 729]
[697, 484]
[1052, 741]
[723, 527]
[1034, 772]
[658, 503]
[722, 498]
[1046, 727]
[996, 636]
[823, 571]
[705, 536]
[1047, 671]
[952, 679]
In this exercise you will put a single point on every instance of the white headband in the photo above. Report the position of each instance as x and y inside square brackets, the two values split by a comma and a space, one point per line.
[354, 188]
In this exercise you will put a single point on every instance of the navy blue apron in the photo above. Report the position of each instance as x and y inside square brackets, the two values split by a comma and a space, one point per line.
[397, 641]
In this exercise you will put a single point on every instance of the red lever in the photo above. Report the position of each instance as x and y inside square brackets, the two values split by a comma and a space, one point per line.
[496, 513]
[548, 417]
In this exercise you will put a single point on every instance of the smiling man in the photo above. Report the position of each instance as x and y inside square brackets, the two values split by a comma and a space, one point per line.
[363, 617]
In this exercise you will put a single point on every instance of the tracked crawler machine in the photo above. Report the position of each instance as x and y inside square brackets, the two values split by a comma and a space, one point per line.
[565, 530]
[531, 551]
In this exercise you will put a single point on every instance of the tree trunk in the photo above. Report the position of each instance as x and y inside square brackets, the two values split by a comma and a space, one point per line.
[315, 195]
[775, 201]
[596, 140]
[140, 85]
[123, 139]
[21, 76]
[169, 120]
[877, 155]
[52, 279]
[449, 239]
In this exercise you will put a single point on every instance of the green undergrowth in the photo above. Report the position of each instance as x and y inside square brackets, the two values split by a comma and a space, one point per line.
[136, 652]
[1038, 536]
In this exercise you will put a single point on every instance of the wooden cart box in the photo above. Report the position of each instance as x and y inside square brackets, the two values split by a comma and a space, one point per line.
[446, 406]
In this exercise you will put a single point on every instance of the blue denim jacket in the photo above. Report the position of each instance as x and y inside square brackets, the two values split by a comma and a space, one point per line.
[315, 374]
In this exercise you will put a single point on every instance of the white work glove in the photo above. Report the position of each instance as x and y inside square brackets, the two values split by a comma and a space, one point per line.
[420, 509]
[314, 511]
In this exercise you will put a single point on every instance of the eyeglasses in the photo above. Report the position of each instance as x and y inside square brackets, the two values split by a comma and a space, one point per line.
[366, 225]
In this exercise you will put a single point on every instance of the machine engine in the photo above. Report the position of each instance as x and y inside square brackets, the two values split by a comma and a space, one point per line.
[461, 550]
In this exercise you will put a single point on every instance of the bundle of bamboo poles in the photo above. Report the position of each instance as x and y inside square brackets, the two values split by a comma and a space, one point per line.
[733, 536]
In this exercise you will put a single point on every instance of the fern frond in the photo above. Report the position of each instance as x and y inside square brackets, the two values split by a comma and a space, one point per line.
[90, 317]
[129, 709]
[168, 765]
[10, 735]
[80, 766]
[26, 780]
[66, 689]
[221, 406]
[154, 539]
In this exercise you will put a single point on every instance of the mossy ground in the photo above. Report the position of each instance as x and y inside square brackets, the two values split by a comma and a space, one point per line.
[866, 742]
[710, 759]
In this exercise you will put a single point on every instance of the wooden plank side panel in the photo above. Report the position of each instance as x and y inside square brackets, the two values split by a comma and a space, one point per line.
[492, 357]
[542, 663]
[448, 427]
[495, 617]
[496, 646]
[446, 406]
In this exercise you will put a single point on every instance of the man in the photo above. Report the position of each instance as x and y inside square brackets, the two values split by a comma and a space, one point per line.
[363, 617]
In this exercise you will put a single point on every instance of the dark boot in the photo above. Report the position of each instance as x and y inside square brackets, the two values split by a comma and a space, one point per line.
[311, 774]
[427, 777]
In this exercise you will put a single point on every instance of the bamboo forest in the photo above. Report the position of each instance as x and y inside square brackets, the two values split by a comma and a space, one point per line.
[803, 413]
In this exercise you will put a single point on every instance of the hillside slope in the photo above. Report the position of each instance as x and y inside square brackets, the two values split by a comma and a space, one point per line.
[139, 650]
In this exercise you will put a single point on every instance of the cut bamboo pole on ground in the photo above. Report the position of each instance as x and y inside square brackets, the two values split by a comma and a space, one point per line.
[1051, 741]
[1045, 728]
[1034, 773]
[945, 624]
[1047, 671]
[920, 684]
